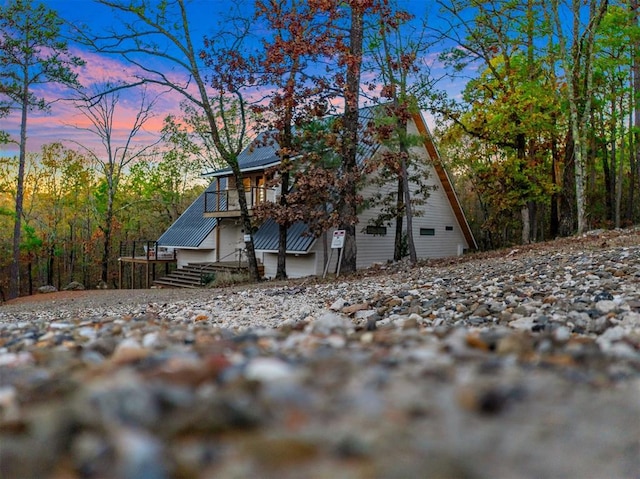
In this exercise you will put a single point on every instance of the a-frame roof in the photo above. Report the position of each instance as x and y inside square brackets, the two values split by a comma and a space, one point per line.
[191, 228]
[443, 176]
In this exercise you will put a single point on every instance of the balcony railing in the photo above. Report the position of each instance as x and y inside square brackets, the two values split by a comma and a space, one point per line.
[146, 250]
[225, 203]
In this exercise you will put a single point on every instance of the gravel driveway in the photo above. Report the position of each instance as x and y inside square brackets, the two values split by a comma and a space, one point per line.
[522, 363]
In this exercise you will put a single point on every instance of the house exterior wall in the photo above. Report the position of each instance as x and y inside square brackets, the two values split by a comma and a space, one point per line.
[297, 266]
[186, 256]
[436, 232]
[231, 239]
[202, 254]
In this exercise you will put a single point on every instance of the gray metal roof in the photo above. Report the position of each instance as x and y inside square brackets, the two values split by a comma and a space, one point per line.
[191, 228]
[262, 152]
[266, 238]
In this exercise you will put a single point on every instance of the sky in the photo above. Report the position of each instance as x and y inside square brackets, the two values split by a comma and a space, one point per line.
[65, 123]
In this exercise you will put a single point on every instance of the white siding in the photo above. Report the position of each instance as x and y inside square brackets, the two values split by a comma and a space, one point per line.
[333, 255]
[297, 266]
[186, 256]
[437, 214]
[210, 241]
[374, 248]
[231, 239]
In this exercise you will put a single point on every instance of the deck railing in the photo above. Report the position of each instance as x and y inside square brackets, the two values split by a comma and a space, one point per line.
[149, 250]
[228, 201]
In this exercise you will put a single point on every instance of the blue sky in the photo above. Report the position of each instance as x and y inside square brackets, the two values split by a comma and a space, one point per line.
[64, 123]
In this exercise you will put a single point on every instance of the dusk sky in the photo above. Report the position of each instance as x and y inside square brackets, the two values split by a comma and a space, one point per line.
[64, 123]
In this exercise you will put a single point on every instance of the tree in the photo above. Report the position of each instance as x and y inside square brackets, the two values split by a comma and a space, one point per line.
[32, 52]
[395, 52]
[511, 103]
[297, 37]
[118, 154]
[576, 56]
[350, 58]
[204, 76]
[635, 68]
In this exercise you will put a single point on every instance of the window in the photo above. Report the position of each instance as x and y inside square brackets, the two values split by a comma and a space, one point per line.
[448, 228]
[261, 191]
[376, 230]
[427, 232]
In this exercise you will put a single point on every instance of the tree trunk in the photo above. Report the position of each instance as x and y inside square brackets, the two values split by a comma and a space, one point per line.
[14, 271]
[635, 155]
[350, 138]
[526, 224]
[398, 249]
[408, 212]
[246, 224]
[567, 198]
[281, 271]
[554, 222]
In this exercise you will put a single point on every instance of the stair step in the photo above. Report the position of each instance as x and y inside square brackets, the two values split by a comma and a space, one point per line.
[172, 284]
[190, 275]
[180, 280]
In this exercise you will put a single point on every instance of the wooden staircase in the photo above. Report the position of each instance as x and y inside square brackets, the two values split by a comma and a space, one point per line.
[197, 275]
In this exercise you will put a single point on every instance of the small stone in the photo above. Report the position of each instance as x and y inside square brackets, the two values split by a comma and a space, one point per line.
[482, 311]
[268, 369]
[128, 351]
[605, 306]
[603, 296]
[354, 308]
[330, 322]
[561, 334]
[338, 304]
[525, 324]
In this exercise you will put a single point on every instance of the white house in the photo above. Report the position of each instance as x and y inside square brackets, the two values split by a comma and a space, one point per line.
[210, 229]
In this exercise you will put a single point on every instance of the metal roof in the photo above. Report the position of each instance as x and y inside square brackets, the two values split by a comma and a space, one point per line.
[298, 239]
[261, 153]
[191, 228]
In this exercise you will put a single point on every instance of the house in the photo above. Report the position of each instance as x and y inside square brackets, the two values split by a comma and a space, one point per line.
[210, 229]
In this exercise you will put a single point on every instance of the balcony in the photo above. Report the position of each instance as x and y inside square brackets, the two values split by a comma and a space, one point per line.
[225, 203]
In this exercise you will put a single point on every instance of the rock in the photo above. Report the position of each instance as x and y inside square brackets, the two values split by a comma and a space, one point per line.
[524, 324]
[47, 289]
[351, 309]
[74, 286]
[605, 306]
[268, 370]
[329, 322]
[128, 351]
[529, 360]
[338, 304]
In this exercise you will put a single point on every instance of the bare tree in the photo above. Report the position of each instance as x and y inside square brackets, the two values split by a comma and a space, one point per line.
[118, 154]
[150, 33]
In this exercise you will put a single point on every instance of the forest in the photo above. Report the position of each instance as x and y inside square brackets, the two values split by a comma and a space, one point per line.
[534, 106]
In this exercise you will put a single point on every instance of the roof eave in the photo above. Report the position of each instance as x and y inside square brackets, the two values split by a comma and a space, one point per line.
[227, 171]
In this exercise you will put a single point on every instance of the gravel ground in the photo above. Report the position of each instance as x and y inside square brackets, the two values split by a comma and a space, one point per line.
[522, 363]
